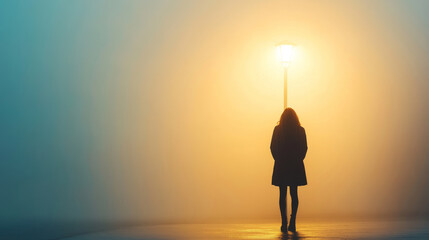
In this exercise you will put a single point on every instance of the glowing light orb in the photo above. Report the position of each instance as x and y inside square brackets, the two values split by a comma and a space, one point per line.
[285, 53]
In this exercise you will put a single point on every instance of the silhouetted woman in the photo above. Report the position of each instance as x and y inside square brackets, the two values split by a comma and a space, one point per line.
[289, 147]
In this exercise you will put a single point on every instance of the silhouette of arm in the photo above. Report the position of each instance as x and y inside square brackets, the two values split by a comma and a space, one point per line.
[303, 144]
[275, 144]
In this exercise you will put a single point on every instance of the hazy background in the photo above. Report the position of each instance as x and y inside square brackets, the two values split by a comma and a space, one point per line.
[164, 110]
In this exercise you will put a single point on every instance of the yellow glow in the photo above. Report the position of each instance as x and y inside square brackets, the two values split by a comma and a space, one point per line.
[193, 139]
[285, 53]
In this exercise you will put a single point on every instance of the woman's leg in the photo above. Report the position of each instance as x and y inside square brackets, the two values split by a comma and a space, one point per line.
[294, 197]
[282, 204]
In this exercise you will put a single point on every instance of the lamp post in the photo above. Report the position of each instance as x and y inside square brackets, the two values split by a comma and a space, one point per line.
[285, 54]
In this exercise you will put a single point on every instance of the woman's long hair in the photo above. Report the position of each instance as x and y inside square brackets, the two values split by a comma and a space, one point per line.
[289, 119]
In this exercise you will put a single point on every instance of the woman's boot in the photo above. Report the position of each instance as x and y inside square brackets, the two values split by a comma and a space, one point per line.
[292, 226]
[284, 225]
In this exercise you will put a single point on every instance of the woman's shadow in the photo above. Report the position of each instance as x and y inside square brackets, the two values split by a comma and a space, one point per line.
[288, 236]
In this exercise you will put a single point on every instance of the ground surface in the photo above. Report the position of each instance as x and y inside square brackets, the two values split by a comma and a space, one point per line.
[306, 230]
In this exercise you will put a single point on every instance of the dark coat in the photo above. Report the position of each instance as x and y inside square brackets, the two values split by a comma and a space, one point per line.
[289, 148]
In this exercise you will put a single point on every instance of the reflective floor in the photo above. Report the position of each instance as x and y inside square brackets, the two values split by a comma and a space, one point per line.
[306, 230]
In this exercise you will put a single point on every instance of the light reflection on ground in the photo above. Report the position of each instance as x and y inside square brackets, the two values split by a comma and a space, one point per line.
[306, 230]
